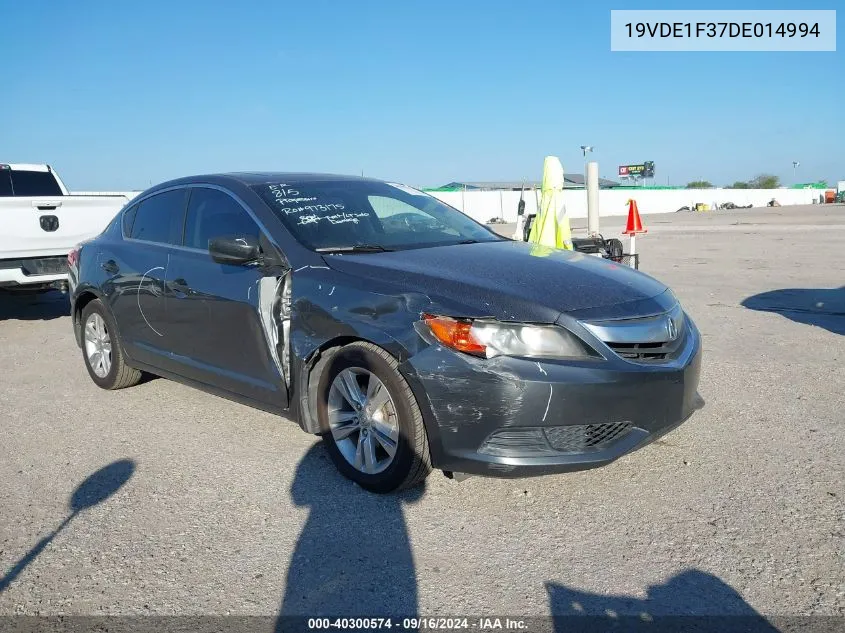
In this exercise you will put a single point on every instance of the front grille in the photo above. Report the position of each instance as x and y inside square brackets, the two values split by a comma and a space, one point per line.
[652, 339]
[642, 351]
[581, 438]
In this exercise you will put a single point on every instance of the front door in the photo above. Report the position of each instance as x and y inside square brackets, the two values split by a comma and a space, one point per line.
[214, 311]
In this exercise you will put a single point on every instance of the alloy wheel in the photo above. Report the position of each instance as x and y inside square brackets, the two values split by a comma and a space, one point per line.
[98, 345]
[363, 420]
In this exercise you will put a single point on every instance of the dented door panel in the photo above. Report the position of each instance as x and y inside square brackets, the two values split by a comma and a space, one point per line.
[219, 334]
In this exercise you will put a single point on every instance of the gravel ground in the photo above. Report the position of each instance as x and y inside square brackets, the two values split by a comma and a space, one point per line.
[229, 510]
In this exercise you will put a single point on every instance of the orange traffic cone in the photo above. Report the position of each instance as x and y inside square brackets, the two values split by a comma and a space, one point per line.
[635, 224]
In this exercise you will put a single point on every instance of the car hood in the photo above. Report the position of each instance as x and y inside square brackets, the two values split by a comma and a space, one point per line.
[509, 280]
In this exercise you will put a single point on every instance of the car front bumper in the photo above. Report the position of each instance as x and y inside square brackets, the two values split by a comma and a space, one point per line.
[508, 417]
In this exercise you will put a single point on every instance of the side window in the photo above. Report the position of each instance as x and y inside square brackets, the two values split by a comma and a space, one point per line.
[213, 213]
[129, 219]
[159, 218]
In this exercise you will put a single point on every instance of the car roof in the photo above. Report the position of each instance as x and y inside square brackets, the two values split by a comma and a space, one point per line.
[259, 178]
[264, 177]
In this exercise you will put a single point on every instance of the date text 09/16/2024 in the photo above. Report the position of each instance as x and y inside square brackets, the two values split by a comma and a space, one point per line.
[417, 623]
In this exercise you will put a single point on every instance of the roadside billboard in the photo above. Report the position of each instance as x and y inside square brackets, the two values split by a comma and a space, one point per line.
[640, 170]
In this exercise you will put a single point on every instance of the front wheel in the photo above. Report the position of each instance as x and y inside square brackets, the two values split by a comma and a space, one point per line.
[370, 420]
[101, 350]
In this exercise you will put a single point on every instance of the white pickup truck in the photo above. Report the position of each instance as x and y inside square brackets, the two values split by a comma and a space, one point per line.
[40, 222]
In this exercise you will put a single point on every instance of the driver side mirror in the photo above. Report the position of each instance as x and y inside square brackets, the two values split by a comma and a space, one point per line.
[235, 250]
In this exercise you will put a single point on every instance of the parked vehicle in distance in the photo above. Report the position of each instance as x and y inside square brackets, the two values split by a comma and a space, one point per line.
[42, 222]
[404, 333]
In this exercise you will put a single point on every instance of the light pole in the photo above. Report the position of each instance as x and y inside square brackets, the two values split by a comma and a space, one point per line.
[586, 149]
[591, 189]
[795, 164]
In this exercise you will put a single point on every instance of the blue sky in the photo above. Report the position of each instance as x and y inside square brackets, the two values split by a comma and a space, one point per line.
[120, 95]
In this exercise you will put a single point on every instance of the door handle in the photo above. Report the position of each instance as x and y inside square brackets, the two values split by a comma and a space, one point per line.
[110, 267]
[46, 205]
[180, 287]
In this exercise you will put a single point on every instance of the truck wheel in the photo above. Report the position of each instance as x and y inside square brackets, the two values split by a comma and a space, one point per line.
[101, 349]
[371, 424]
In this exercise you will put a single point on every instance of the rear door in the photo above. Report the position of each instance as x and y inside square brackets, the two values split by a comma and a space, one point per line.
[136, 269]
[214, 310]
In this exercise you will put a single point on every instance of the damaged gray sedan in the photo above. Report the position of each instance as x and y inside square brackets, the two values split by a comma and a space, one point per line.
[405, 334]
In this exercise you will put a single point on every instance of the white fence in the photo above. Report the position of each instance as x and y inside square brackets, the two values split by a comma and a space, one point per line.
[485, 205]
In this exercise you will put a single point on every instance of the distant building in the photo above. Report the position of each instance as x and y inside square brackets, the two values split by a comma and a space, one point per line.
[571, 181]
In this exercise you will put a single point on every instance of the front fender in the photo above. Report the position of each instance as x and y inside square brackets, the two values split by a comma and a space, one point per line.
[326, 315]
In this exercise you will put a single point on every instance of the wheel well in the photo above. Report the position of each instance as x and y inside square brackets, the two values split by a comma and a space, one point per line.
[312, 368]
[79, 305]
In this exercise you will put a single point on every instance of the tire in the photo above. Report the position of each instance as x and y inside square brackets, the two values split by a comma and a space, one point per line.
[119, 374]
[411, 462]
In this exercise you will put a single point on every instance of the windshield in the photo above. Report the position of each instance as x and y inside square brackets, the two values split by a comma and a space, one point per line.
[371, 215]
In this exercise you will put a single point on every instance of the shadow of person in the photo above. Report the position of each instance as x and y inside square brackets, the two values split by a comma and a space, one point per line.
[31, 306]
[822, 307]
[353, 557]
[95, 489]
[690, 601]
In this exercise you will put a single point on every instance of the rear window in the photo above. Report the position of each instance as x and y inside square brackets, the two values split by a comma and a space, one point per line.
[32, 183]
[5, 182]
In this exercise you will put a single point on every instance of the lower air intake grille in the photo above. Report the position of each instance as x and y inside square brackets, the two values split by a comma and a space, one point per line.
[553, 440]
[585, 437]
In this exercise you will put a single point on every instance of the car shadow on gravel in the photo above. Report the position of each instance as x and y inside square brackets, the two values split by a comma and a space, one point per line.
[822, 307]
[353, 557]
[693, 600]
[94, 490]
[30, 306]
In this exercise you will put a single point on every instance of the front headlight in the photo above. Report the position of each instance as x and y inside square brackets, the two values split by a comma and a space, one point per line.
[494, 338]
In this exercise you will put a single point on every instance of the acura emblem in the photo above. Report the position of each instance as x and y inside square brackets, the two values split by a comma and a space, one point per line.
[671, 330]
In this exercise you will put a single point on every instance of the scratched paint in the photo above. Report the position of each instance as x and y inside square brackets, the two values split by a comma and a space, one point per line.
[549, 403]
[141, 283]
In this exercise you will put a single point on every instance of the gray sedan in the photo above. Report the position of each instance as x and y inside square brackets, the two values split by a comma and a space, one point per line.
[405, 334]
